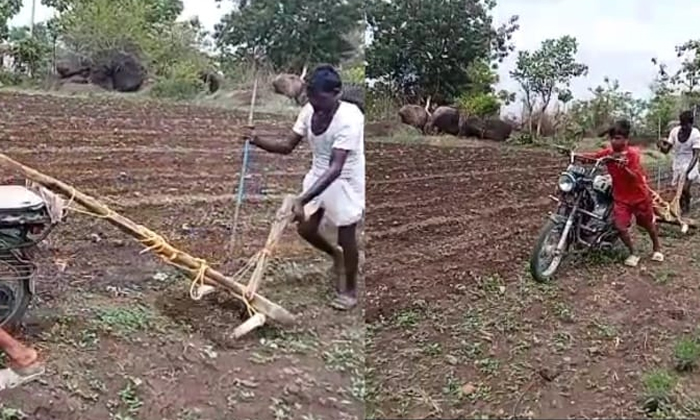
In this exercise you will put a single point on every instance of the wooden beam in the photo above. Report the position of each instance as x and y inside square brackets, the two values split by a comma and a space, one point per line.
[142, 234]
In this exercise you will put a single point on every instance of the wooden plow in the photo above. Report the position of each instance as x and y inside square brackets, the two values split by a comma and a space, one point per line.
[671, 212]
[204, 278]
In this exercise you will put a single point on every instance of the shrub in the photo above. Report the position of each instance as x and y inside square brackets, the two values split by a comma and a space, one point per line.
[182, 82]
[479, 105]
[354, 74]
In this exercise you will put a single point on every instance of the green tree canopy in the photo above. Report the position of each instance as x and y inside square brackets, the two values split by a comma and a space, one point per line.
[291, 34]
[430, 48]
[544, 73]
[8, 10]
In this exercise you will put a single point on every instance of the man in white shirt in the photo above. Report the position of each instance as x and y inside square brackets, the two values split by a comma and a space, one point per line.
[335, 186]
[684, 140]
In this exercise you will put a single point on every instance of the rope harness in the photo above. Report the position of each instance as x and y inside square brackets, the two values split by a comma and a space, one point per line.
[670, 212]
[157, 244]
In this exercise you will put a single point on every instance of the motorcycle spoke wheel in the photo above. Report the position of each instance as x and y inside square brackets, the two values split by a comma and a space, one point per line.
[550, 261]
[11, 284]
[7, 302]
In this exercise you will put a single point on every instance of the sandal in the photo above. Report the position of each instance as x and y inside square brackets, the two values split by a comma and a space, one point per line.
[14, 377]
[658, 257]
[632, 261]
[343, 303]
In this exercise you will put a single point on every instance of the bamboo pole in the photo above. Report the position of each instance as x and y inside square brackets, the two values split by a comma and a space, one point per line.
[246, 154]
[211, 276]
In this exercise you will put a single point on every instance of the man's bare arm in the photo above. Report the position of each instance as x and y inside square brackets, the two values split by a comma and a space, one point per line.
[693, 162]
[280, 147]
[664, 146]
[338, 158]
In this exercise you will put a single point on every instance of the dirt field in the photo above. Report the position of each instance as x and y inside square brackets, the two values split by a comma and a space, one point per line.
[457, 328]
[120, 334]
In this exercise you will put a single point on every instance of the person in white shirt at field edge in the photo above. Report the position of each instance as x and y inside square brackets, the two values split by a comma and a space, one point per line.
[684, 140]
[335, 186]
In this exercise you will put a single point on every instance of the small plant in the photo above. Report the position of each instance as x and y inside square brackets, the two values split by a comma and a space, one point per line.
[686, 354]
[658, 389]
[407, 318]
[7, 413]
[125, 320]
[129, 396]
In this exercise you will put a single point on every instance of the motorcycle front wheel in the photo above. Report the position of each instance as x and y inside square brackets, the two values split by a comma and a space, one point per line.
[545, 260]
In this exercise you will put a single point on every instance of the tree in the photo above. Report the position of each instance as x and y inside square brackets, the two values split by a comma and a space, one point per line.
[89, 25]
[664, 103]
[686, 80]
[290, 34]
[8, 10]
[422, 48]
[608, 103]
[31, 51]
[546, 71]
[480, 99]
[157, 11]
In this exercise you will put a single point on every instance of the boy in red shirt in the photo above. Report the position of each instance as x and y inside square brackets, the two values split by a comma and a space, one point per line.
[630, 191]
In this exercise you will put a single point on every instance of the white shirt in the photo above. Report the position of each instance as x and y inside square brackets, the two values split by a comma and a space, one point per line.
[683, 151]
[346, 131]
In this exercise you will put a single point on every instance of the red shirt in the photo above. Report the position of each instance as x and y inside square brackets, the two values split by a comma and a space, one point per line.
[629, 180]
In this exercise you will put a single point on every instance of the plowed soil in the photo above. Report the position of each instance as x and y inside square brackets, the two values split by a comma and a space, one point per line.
[120, 335]
[458, 329]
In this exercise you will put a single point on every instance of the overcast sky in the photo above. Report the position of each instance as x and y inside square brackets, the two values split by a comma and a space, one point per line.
[617, 38]
[207, 10]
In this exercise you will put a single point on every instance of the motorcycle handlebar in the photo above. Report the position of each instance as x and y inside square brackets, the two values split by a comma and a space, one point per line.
[600, 161]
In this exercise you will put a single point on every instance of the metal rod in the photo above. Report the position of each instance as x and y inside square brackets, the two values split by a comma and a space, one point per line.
[244, 166]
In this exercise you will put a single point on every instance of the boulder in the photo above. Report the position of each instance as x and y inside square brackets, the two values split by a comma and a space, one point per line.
[414, 115]
[211, 79]
[445, 119]
[485, 129]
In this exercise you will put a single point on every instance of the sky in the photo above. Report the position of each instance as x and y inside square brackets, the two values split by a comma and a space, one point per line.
[617, 38]
[207, 11]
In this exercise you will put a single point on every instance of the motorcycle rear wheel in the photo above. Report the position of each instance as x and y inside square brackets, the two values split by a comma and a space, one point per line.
[546, 241]
[15, 291]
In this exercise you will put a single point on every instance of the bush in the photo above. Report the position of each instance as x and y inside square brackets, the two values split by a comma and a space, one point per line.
[479, 105]
[381, 105]
[182, 82]
[354, 74]
[8, 78]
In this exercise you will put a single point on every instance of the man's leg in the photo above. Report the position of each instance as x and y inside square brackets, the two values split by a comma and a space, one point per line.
[20, 355]
[644, 213]
[622, 217]
[309, 230]
[685, 198]
[347, 284]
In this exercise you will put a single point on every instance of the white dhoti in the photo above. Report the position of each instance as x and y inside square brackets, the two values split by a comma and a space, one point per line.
[343, 203]
[680, 166]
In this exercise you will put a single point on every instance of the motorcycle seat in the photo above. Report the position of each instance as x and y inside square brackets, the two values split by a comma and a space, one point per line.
[15, 198]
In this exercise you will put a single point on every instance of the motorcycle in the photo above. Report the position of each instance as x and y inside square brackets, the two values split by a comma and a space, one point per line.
[583, 219]
[24, 222]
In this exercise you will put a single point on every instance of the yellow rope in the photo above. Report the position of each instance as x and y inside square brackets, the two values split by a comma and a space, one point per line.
[69, 206]
[157, 244]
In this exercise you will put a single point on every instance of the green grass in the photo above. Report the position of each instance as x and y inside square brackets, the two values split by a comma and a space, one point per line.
[7, 413]
[658, 389]
[686, 354]
[125, 320]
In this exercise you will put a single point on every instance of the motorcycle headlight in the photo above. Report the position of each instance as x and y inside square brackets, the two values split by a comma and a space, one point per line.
[566, 183]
